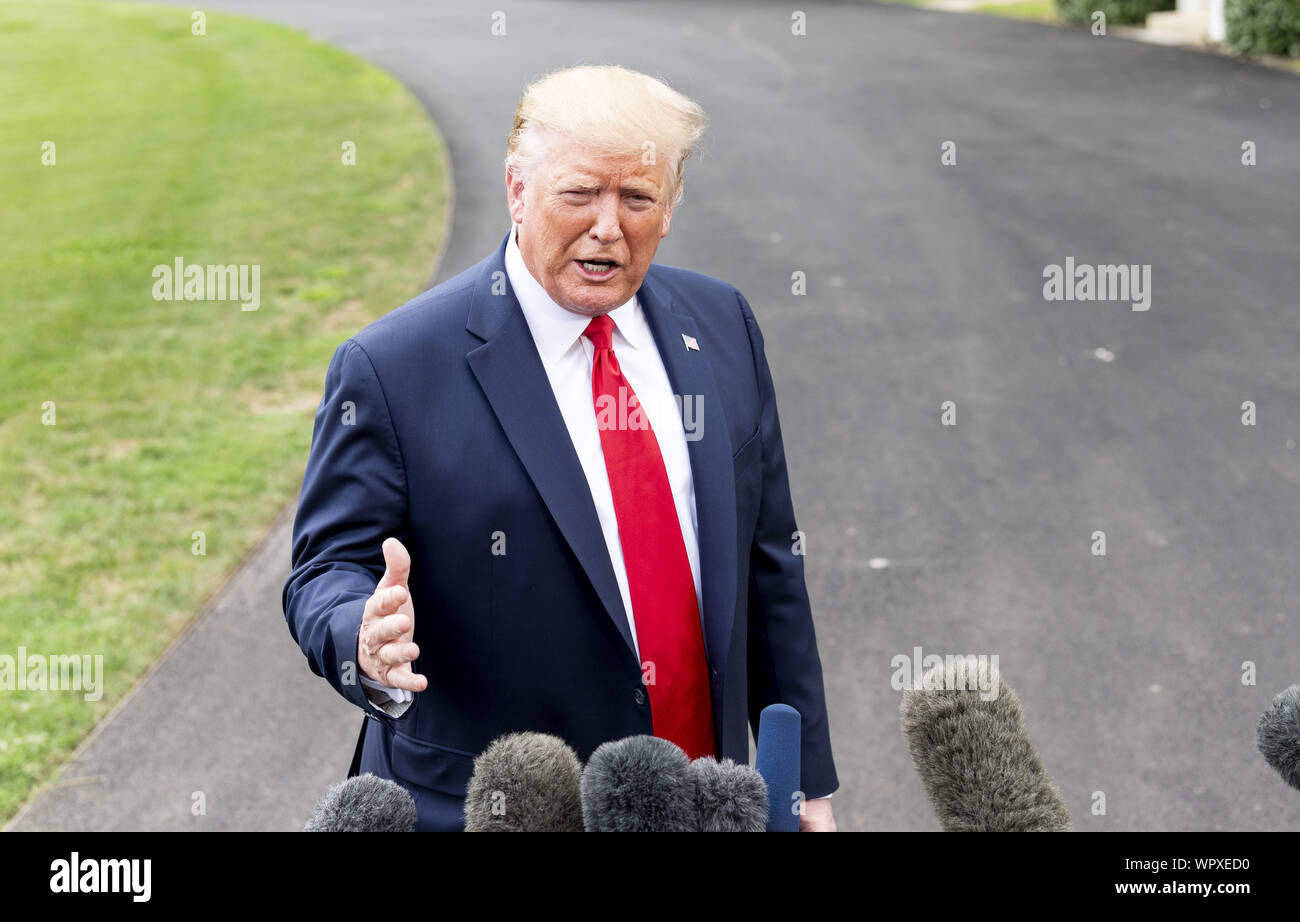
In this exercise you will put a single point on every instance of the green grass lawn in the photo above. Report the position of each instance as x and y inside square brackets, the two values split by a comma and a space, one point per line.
[173, 417]
[1033, 10]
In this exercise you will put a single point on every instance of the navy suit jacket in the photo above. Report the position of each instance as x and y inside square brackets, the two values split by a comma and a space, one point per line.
[438, 426]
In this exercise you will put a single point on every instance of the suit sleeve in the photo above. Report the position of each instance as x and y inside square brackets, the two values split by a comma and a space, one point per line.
[784, 666]
[353, 497]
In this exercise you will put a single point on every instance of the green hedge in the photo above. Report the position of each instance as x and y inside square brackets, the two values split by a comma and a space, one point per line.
[1118, 12]
[1264, 26]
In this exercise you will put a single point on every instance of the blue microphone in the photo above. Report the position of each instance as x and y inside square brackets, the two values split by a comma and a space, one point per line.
[779, 731]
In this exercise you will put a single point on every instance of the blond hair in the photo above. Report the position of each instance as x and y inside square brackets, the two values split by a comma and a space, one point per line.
[611, 110]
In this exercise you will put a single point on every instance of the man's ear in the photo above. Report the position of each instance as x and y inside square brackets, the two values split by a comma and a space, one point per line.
[515, 195]
[667, 219]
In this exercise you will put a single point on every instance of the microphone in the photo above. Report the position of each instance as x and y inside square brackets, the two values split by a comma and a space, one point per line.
[777, 761]
[975, 759]
[638, 784]
[365, 803]
[1278, 735]
[729, 797]
[525, 782]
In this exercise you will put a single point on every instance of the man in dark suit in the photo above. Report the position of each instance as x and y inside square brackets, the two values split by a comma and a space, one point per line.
[550, 494]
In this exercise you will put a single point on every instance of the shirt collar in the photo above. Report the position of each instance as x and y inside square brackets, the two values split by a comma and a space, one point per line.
[555, 330]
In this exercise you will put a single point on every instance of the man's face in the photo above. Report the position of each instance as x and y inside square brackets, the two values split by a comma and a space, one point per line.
[579, 205]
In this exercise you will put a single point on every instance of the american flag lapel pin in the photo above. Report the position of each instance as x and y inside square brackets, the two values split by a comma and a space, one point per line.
[691, 344]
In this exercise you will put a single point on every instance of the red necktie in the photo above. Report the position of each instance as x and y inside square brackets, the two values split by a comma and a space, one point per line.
[671, 641]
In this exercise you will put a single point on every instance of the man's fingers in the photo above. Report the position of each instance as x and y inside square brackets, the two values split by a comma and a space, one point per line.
[402, 677]
[397, 564]
[386, 601]
[386, 630]
[394, 654]
[383, 626]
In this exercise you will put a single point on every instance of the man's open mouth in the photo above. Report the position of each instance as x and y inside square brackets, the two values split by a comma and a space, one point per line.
[596, 268]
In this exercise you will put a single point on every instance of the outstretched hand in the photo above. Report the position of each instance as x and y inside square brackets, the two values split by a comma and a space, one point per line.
[385, 645]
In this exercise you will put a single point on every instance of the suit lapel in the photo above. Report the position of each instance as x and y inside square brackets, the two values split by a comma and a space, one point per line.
[692, 381]
[510, 372]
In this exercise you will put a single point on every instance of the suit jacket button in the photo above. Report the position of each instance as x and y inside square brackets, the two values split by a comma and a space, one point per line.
[639, 697]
